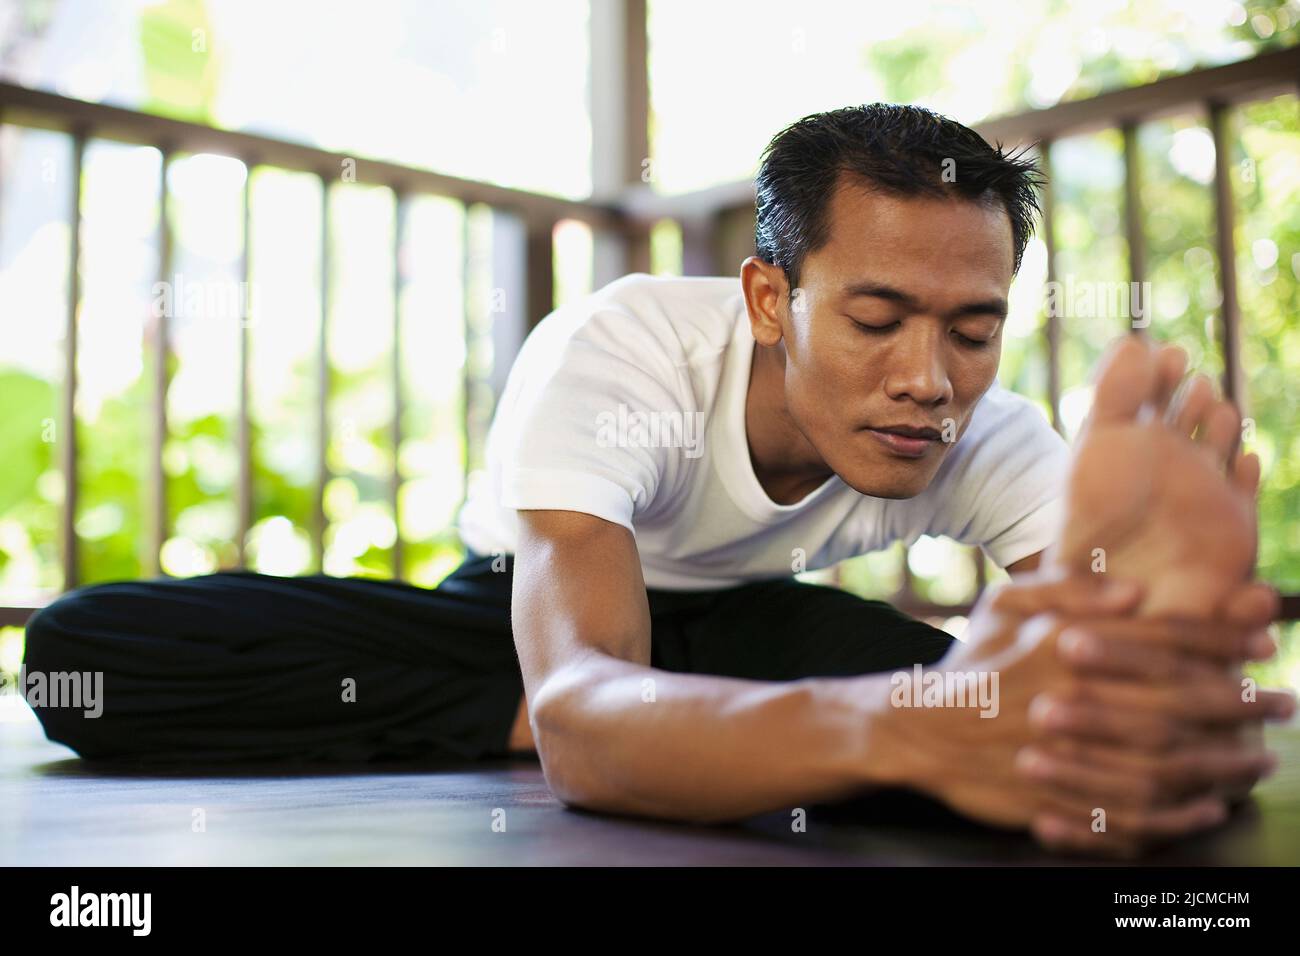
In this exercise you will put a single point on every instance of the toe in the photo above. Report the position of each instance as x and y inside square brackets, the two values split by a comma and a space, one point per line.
[1245, 474]
[1171, 365]
[1190, 408]
[1221, 432]
[1126, 382]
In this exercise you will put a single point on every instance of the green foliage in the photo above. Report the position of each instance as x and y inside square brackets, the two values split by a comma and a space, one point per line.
[1267, 192]
[114, 487]
[26, 447]
[181, 71]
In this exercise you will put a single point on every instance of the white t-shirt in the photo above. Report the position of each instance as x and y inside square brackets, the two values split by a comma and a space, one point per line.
[629, 404]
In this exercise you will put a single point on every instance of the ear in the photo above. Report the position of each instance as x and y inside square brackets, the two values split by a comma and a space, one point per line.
[766, 291]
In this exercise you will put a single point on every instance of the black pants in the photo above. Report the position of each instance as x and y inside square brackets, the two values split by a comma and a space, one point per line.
[243, 666]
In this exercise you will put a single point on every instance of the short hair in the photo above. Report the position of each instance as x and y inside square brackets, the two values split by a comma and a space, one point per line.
[898, 149]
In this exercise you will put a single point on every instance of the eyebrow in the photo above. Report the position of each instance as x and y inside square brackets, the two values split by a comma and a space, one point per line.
[877, 290]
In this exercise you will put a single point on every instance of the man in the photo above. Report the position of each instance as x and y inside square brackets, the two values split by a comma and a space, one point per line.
[668, 451]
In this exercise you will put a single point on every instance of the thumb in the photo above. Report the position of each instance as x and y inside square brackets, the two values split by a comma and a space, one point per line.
[1252, 605]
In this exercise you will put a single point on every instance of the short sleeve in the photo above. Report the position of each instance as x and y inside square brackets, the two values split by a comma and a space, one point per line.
[578, 439]
[1002, 485]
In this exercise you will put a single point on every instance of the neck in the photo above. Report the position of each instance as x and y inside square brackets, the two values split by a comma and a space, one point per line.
[786, 465]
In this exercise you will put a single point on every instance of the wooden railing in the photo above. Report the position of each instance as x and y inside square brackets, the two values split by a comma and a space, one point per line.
[716, 224]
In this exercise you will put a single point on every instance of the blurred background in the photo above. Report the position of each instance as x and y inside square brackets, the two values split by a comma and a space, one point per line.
[264, 265]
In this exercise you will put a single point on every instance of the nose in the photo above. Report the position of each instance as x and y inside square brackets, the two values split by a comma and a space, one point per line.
[918, 368]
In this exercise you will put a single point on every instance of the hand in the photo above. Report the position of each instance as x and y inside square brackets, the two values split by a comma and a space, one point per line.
[1164, 698]
[975, 764]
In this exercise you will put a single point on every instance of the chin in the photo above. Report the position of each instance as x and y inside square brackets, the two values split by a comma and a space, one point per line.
[880, 475]
[896, 491]
[890, 486]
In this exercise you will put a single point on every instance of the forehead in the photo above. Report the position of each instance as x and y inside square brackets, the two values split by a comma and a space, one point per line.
[915, 242]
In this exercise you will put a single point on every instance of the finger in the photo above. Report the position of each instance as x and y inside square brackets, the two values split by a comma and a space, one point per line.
[1075, 594]
[1253, 605]
[1144, 730]
[1117, 644]
[1242, 738]
[1171, 365]
[1221, 432]
[1113, 833]
[1218, 700]
[1190, 406]
[1088, 653]
[1088, 782]
[1098, 772]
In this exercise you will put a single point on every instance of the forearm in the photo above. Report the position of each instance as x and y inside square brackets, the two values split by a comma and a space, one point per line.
[625, 738]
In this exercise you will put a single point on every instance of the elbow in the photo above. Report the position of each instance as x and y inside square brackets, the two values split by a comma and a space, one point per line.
[581, 779]
[564, 746]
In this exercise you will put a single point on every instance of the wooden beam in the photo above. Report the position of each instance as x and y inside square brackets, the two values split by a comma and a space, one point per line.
[16, 616]
[540, 268]
[620, 119]
[1252, 79]
[699, 245]
[636, 90]
[1255, 78]
[39, 109]
[734, 239]
[620, 91]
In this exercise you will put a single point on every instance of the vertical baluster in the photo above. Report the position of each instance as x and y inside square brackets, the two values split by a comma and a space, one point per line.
[322, 379]
[1137, 249]
[1224, 224]
[161, 349]
[539, 270]
[403, 204]
[467, 305]
[1052, 327]
[244, 492]
[71, 562]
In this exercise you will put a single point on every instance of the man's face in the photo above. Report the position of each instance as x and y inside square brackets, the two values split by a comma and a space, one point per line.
[895, 333]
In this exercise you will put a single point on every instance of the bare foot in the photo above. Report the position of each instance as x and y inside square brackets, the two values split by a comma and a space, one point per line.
[1149, 500]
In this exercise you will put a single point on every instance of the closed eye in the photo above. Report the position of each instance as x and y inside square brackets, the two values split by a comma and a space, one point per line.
[968, 342]
[876, 329]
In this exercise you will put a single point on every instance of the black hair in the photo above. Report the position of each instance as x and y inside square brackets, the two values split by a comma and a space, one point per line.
[904, 150]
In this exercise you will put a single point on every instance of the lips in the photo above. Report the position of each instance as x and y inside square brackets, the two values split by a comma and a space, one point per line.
[906, 441]
[911, 431]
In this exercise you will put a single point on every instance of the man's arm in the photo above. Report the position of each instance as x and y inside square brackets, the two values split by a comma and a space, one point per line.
[615, 734]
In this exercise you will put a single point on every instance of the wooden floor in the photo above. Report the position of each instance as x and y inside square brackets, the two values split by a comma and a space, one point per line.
[57, 810]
